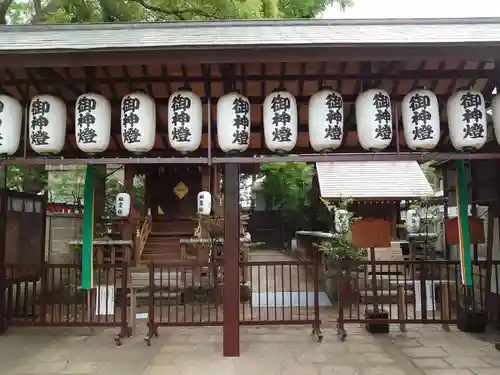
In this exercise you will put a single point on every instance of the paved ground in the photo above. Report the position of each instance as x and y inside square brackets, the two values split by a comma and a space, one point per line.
[284, 350]
[264, 351]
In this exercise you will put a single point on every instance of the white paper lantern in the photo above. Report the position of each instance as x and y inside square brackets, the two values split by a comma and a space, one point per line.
[326, 120]
[280, 121]
[11, 119]
[138, 122]
[495, 113]
[47, 124]
[122, 206]
[233, 122]
[420, 111]
[92, 122]
[185, 121]
[204, 203]
[374, 119]
[466, 111]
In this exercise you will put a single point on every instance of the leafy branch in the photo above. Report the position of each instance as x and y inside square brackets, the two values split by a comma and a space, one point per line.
[180, 13]
[341, 247]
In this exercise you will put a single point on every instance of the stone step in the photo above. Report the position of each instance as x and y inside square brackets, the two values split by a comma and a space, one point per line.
[384, 282]
[160, 258]
[161, 248]
[384, 296]
[170, 234]
[164, 240]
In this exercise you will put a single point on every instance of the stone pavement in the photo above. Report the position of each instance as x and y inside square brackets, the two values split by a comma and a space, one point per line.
[264, 351]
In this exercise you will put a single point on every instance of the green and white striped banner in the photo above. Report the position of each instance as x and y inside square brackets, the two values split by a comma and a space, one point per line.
[462, 193]
[88, 230]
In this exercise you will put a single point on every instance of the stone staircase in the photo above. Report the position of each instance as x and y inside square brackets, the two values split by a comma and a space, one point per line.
[388, 279]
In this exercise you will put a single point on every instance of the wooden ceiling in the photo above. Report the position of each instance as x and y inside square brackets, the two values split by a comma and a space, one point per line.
[210, 81]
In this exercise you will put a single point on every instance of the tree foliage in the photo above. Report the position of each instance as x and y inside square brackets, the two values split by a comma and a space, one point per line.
[287, 185]
[81, 11]
[77, 11]
[67, 187]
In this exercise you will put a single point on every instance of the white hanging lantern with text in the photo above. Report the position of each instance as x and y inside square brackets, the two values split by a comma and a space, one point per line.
[326, 120]
[122, 206]
[185, 121]
[204, 203]
[420, 111]
[495, 113]
[466, 111]
[280, 121]
[92, 122]
[11, 120]
[47, 124]
[138, 122]
[374, 119]
[233, 122]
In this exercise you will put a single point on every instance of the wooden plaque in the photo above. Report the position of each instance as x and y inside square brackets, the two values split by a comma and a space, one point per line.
[369, 232]
[476, 231]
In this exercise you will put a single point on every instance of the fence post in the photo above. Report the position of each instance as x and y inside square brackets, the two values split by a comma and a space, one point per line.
[445, 305]
[401, 307]
[317, 322]
[44, 292]
[125, 329]
[423, 289]
[151, 301]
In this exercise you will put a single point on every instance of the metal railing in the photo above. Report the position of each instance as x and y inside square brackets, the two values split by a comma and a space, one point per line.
[51, 296]
[270, 293]
[407, 292]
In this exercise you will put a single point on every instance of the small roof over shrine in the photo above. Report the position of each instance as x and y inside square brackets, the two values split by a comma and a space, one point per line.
[373, 180]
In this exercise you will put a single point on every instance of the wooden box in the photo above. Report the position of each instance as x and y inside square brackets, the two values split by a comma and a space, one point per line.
[369, 232]
[476, 231]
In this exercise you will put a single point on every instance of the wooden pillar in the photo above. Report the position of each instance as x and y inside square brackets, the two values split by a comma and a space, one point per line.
[128, 227]
[99, 197]
[231, 327]
[398, 221]
[3, 230]
[473, 200]
[205, 185]
[446, 192]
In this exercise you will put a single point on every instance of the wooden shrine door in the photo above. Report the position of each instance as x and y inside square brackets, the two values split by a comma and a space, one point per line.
[173, 191]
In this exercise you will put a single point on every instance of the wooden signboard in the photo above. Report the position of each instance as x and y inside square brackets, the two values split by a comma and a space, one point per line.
[369, 232]
[476, 231]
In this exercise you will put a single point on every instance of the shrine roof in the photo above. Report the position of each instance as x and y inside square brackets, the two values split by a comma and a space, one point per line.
[248, 33]
[372, 179]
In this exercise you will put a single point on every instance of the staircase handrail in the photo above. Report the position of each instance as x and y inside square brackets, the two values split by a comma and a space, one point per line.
[141, 238]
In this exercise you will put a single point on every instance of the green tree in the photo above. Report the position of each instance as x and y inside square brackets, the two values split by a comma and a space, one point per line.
[286, 186]
[76, 11]
[66, 186]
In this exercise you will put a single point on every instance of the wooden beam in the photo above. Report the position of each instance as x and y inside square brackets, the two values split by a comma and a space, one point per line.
[186, 79]
[247, 54]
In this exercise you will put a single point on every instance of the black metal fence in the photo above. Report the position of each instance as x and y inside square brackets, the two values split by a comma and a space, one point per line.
[51, 296]
[270, 293]
[407, 292]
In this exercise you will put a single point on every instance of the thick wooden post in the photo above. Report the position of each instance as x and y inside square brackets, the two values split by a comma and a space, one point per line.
[128, 228]
[3, 229]
[231, 327]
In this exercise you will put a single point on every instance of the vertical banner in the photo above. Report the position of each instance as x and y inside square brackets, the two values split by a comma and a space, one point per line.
[463, 224]
[88, 229]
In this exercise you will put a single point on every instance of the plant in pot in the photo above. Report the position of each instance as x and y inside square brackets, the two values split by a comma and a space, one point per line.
[341, 255]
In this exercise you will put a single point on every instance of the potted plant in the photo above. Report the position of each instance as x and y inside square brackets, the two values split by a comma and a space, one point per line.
[341, 255]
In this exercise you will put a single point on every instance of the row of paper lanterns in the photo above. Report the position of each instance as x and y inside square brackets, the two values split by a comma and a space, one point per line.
[466, 112]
